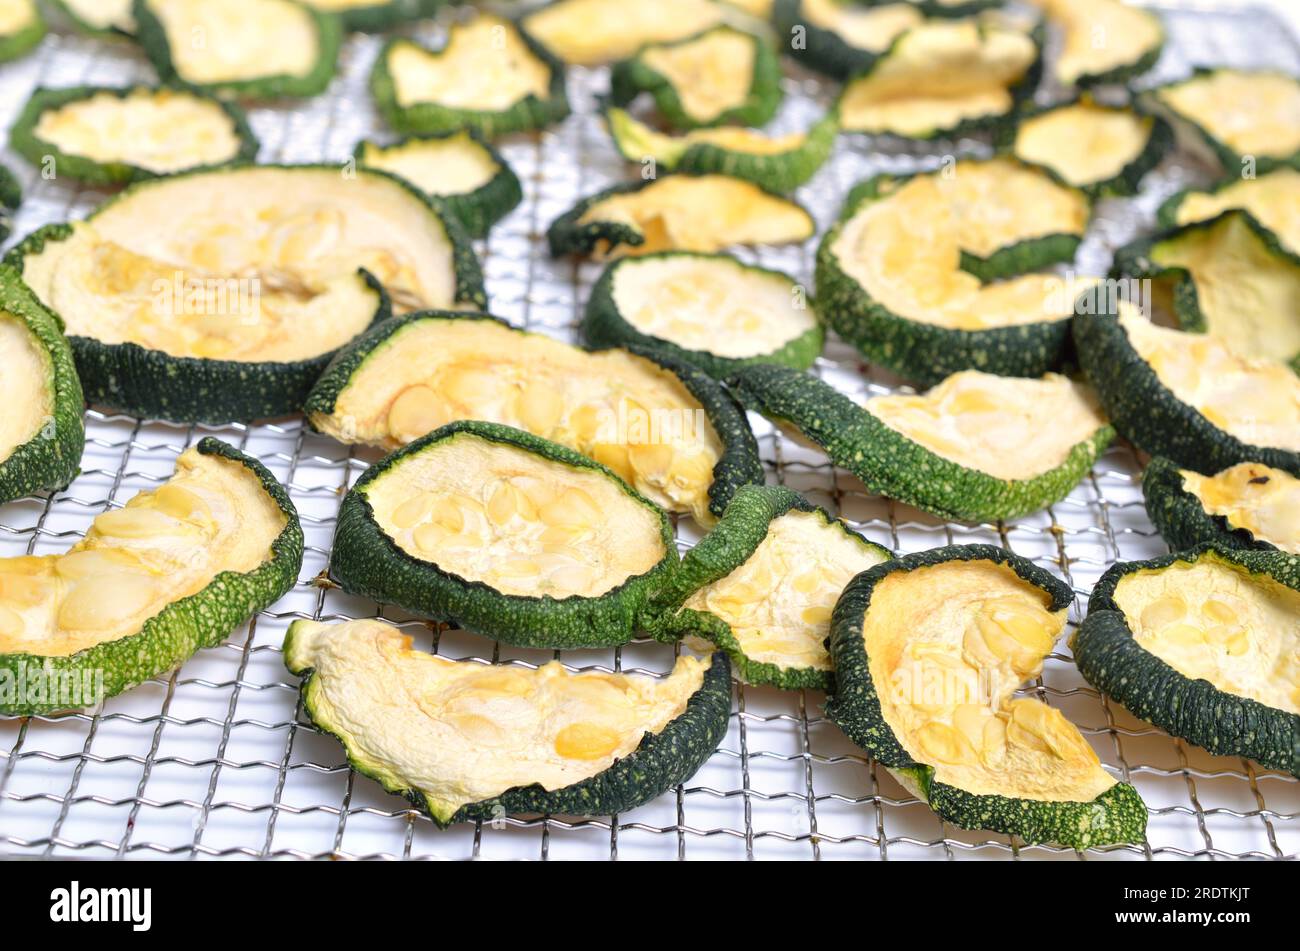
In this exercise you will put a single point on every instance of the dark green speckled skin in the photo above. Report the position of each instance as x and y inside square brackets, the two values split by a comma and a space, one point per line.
[1180, 517]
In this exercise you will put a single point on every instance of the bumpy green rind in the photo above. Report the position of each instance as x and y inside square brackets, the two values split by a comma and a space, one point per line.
[604, 326]
[51, 458]
[23, 41]
[421, 118]
[1222, 723]
[821, 49]
[1181, 518]
[890, 464]
[11, 196]
[66, 9]
[152, 37]
[1148, 414]
[24, 140]
[367, 562]
[386, 14]
[175, 633]
[1116, 816]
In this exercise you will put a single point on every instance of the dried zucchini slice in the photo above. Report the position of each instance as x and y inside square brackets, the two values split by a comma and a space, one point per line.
[709, 310]
[721, 76]
[176, 570]
[842, 37]
[1272, 199]
[591, 32]
[21, 28]
[106, 136]
[510, 535]
[375, 16]
[258, 49]
[180, 313]
[104, 17]
[466, 741]
[929, 651]
[1106, 41]
[1205, 644]
[677, 213]
[11, 196]
[459, 168]
[488, 77]
[663, 426]
[976, 447]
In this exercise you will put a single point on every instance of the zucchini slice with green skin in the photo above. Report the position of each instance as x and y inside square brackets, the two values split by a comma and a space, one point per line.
[1269, 199]
[932, 467]
[461, 169]
[550, 550]
[43, 435]
[1191, 642]
[623, 407]
[291, 49]
[25, 34]
[1132, 40]
[994, 617]
[583, 743]
[110, 18]
[722, 76]
[11, 196]
[375, 16]
[709, 310]
[159, 131]
[222, 528]
[841, 37]
[1249, 505]
[595, 32]
[525, 90]
[761, 586]
[775, 163]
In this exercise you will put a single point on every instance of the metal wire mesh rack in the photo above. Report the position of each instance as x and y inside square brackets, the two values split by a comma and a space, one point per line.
[216, 760]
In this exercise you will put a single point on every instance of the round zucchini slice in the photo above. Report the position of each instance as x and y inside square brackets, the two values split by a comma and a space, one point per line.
[488, 77]
[1249, 505]
[677, 213]
[257, 49]
[1190, 397]
[107, 136]
[722, 76]
[21, 28]
[1205, 644]
[665, 427]
[179, 313]
[485, 741]
[1272, 199]
[842, 37]
[41, 431]
[762, 584]
[593, 32]
[509, 535]
[709, 310]
[459, 168]
[929, 651]
[1131, 39]
[99, 17]
[977, 447]
[375, 16]
[178, 569]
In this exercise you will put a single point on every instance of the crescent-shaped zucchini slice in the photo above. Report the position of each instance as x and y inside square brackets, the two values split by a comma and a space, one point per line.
[721, 76]
[1272, 199]
[107, 136]
[41, 431]
[665, 427]
[466, 741]
[1105, 41]
[842, 37]
[105, 17]
[488, 77]
[507, 534]
[177, 569]
[592, 32]
[1205, 644]
[460, 168]
[929, 652]
[709, 310]
[258, 49]
[677, 213]
[220, 295]
[375, 16]
[21, 28]
[1188, 396]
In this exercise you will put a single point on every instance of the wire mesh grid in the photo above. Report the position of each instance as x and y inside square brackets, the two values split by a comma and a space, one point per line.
[216, 760]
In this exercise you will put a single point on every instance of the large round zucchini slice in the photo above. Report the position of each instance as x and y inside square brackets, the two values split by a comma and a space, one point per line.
[842, 37]
[467, 741]
[21, 28]
[258, 49]
[1105, 41]
[41, 432]
[1272, 199]
[488, 77]
[591, 32]
[106, 136]
[677, 213]
[509, 535]
[721, 76]
[221, 295]
[1205, 644]
[1249, 505]
[710, 310]
[929, 651]
[105, 17]
[375, 16]
[176, 570]
[1245, 119]
[977, 447]
[665, 427]
[762, 584]
[459, 168]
